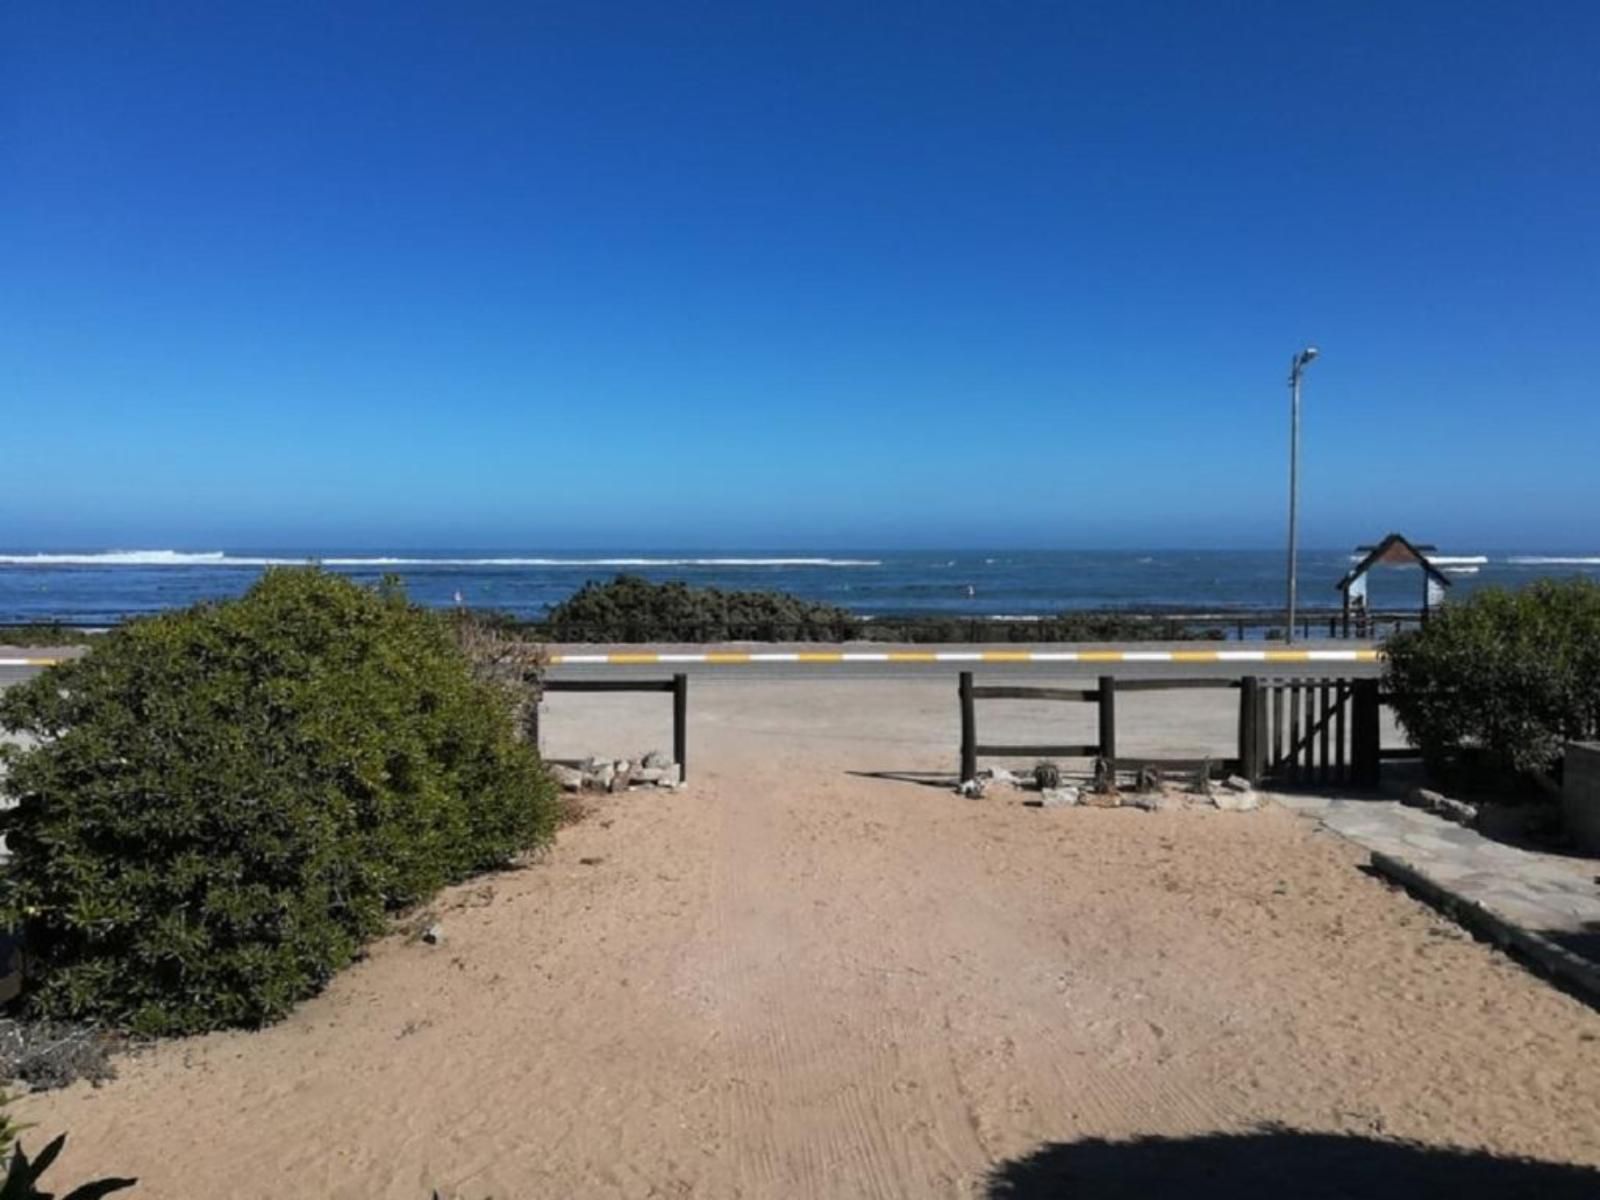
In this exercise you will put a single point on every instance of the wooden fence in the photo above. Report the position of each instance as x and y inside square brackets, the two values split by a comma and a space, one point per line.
[678, 685]
[1290, 731]
[1103, 696]
[1310, 731]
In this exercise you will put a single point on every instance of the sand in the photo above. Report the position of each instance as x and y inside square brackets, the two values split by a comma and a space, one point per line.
[794, 980]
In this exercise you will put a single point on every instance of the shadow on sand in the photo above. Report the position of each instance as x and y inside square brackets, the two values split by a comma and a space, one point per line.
[1280, 1163]
[942, 780]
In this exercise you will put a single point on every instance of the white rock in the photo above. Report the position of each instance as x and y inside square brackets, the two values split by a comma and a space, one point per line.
[1056, 797]
[1155, 802]
[1237, 783]
[999, 775]
[1424, 799]
[567, 777]
[656, 760]
[433, 934]
[1236, 801]
[1458, 811]
[971, 788]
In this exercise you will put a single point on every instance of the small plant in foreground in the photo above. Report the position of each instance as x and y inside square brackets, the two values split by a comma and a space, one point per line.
[22, 1177]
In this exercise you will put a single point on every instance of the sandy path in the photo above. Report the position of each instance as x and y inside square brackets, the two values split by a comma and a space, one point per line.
[793, 981]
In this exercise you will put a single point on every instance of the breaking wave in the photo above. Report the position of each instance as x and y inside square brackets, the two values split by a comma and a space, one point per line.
[219, 558]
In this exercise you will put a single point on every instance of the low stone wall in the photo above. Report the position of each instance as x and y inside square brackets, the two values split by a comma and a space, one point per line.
[1580, 794]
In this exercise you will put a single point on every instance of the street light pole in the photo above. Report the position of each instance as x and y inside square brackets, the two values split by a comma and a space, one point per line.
[1297, 367]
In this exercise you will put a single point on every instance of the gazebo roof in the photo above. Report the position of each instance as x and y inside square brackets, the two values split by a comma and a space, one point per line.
[1394, 550]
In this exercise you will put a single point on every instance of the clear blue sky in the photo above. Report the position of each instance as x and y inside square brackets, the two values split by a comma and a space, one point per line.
[843, 275]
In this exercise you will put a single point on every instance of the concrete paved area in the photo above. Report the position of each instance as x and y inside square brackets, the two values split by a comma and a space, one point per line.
[1554, 895]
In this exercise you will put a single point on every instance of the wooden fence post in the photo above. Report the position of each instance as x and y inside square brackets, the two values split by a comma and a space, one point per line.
[1365, 733]
[1108, 717]
[969, 730]
[680, 724]
[1250, 712]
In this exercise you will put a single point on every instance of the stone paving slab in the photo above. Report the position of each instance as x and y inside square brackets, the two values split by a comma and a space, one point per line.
[1552, 895]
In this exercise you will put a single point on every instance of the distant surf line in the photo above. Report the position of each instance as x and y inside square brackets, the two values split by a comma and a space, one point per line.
[218, 558]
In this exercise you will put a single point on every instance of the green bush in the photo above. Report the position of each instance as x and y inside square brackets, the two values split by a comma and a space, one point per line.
[225, 801]
[1504, 676]
[631, 609]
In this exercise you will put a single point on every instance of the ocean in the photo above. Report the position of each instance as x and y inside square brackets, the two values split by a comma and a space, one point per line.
[106, 586]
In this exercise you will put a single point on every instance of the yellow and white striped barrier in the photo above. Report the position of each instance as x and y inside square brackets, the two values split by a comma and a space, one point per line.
[642, 658]
[652, 658]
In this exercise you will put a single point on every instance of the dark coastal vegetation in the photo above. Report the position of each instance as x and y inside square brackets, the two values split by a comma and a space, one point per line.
[1502, 679]
[225, 802]
[45, 633]
[631, 609]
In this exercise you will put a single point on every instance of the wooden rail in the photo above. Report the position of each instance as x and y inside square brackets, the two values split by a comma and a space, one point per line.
[678, 685]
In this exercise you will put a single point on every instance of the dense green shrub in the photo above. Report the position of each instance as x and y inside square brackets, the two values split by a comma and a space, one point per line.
[1507, 675]
[225, 801]
[631, 609]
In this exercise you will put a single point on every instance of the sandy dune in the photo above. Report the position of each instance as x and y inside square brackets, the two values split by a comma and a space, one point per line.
[791, 980]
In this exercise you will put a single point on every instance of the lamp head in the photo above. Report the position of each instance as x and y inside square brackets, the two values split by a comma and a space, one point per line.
[1306, 355]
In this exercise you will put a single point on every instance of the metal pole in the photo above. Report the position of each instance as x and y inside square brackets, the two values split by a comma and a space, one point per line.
[1294, 488]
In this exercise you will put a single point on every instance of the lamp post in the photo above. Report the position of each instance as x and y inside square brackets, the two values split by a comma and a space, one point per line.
[1297, 368]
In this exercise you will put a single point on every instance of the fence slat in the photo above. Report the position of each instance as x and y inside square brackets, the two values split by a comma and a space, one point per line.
[969, 730]
[1034, 693]
[680, 724]
[1108, 717]
[1011, 751]
[1365, 733]
[1294, 730]
[1327, 730]
[1342, 763]
[1277, 726]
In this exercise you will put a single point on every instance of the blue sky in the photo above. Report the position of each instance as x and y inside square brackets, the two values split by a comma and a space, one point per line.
[601, 275]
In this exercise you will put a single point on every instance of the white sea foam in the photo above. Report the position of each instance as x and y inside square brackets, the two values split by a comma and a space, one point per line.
[1447, 560]
[1554, 560]
[218, 558]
